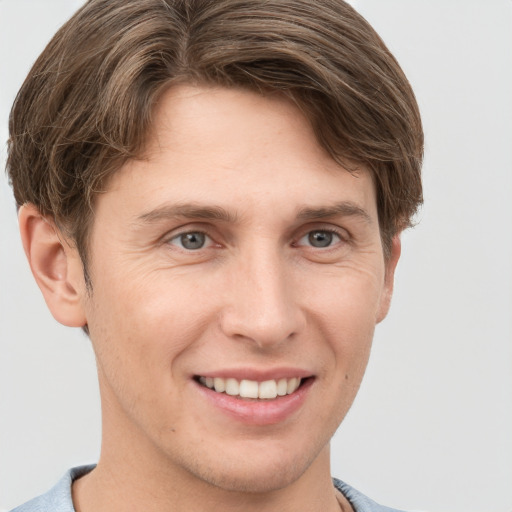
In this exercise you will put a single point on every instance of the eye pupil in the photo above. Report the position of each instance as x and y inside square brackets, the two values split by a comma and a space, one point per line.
[320, 238]
[192, 240]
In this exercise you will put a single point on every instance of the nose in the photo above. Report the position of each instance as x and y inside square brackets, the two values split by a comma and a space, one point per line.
[262, 304]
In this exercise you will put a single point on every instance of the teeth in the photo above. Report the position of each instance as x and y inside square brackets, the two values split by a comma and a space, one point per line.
[232, 387]
[282, 387]
[292, 385]
[268, 389]
[249, 389]
[219, 384]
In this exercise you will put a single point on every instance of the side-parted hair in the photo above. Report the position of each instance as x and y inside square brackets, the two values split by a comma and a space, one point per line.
[86, 106]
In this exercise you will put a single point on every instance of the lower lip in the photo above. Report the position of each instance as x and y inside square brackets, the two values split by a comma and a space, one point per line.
[258, 412]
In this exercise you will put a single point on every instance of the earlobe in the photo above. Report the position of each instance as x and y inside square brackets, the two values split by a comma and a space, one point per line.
[389, 278]
[56, 266]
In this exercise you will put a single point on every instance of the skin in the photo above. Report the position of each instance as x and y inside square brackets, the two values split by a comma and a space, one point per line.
[257, 296]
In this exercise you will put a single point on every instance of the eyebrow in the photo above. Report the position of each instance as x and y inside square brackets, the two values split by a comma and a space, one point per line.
[187, 210]
[197, 211]
[344, 208]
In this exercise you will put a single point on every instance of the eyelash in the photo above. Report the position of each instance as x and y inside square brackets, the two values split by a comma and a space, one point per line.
[342, 238]
[189, 232]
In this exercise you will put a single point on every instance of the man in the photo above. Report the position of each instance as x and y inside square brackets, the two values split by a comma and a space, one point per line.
[214, 191]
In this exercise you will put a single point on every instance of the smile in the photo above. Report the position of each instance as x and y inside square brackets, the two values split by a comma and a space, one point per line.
[267, 390]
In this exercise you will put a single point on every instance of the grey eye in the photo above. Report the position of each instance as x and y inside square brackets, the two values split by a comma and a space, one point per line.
[190, 241]
[320, 238]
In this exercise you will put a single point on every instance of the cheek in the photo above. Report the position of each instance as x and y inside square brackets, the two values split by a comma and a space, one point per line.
[347, 303]
[146, 323]
[344, 312]
[140, 337]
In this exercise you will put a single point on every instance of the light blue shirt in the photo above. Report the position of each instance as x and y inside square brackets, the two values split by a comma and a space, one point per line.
[58, 499]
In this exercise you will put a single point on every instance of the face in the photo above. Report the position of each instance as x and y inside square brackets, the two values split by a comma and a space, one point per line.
[237, 276]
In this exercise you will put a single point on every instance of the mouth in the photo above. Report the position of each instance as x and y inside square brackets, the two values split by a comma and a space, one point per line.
[252, 389]
[257, 402]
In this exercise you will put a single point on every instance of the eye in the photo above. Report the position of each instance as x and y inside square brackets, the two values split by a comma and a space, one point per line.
[191, 241]
[320, 238]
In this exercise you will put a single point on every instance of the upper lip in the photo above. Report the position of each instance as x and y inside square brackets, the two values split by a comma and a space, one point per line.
[259, 375]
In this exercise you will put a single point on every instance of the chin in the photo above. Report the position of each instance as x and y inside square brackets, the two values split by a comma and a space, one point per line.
[255, 481]
[258, 472]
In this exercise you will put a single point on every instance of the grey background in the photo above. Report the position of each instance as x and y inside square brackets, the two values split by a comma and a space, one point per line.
[432, 427]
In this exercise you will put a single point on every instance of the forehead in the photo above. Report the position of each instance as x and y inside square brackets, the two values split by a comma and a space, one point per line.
[232, 122]
[240, 149]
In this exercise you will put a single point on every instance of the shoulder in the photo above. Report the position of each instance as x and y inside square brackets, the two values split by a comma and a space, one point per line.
[58, 498]
[359, 501]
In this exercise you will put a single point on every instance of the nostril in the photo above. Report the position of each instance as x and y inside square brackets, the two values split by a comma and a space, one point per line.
[268, 329]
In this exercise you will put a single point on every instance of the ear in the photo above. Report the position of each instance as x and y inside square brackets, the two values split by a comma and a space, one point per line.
[389, 278]
[56, 266]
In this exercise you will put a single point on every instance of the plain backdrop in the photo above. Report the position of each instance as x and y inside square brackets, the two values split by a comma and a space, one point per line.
[432, 426]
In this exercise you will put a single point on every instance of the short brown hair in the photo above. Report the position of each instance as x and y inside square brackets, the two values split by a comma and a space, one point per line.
[86, 105]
